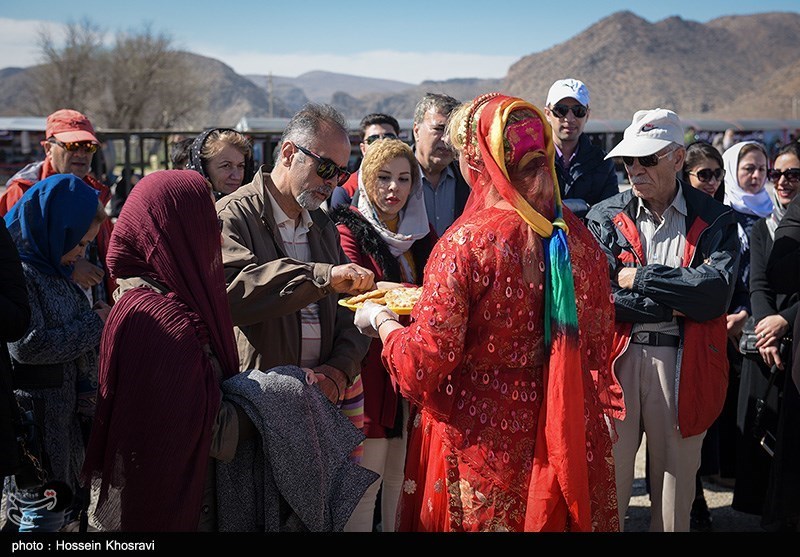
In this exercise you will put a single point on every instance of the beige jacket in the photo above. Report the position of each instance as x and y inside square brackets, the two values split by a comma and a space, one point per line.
[267, 289]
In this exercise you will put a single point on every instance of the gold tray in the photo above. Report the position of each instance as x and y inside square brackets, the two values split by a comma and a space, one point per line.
[345, 302]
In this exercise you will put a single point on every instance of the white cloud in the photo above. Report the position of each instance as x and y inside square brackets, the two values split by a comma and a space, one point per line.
[19, 41]
[18, 48]
[412, 67]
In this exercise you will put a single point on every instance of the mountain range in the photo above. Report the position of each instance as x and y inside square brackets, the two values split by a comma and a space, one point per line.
[731, 67]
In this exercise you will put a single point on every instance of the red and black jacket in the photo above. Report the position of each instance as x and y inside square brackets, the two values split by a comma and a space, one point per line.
[699, 292]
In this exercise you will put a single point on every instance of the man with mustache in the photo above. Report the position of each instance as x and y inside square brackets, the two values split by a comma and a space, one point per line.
[673, 253]
[445, 190]
[69, 146]
[284, 266]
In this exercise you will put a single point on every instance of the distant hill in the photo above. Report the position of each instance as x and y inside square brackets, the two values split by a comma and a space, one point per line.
[693, 68]
[731, 67]
[228, 95]
[318, 85]
[13, 92]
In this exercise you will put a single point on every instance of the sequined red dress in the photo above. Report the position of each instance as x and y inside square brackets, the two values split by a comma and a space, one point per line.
[473, 361]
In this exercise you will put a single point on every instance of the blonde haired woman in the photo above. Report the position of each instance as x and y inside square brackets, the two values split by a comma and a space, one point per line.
[386, 230]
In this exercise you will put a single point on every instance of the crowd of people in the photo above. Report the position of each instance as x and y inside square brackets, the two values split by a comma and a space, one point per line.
[181, 361]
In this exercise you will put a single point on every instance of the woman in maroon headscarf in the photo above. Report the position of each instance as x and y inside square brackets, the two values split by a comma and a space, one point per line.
[167, 346]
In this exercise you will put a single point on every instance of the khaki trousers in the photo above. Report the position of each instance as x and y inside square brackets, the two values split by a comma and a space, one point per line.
[647, 376]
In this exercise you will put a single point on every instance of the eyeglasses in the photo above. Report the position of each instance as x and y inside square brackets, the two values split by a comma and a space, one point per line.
[706, 175]
[326, 168]
[561, 110]
[376, 136]
[87, 146]
[791, 175]
[648, 161]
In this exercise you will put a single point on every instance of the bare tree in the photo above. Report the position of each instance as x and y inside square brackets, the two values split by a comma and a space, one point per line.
[148, 83]
[67, 76]
[140, 82]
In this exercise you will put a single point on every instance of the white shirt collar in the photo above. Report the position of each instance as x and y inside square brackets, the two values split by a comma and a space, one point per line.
[281, 217]
[678, 203]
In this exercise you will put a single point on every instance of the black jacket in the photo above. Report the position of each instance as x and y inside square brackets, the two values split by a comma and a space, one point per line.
[15, 317]
[763, 299]
[783, 266]
[590, 178]
[701, 290]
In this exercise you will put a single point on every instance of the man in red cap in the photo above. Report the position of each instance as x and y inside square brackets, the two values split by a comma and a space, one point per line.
[69, 146]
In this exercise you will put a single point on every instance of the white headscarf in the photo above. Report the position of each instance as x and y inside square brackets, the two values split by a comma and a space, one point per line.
[413, 223]
[758, 204]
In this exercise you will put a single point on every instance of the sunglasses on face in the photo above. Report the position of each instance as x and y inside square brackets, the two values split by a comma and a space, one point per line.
[706, 175]
[648, 161]
[791, 175]
[561, 110]
[87, 146]
[326, 168]
[375, 137]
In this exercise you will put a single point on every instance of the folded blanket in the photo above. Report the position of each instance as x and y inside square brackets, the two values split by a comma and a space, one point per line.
[296, 476]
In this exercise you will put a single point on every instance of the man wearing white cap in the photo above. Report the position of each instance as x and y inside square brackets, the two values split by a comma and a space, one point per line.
[673, 254]
[585, 177]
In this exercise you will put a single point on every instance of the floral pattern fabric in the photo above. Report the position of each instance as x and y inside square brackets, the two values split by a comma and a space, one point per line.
[473, 363]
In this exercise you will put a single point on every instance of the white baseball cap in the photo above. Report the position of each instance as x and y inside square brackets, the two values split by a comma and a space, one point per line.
[649, 132]
[572, 88]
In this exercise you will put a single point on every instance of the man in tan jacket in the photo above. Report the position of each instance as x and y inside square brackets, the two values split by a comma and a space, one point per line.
[283, 262]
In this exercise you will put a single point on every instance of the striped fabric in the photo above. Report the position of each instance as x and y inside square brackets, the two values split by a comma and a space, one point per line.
[353, 408]
[295, 241]
[663, 241]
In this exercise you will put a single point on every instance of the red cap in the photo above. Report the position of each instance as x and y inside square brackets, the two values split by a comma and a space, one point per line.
[69, 126]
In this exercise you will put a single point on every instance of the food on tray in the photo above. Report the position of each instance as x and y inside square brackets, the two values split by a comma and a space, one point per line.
[403, 298]
[373, 296]
[397, 299]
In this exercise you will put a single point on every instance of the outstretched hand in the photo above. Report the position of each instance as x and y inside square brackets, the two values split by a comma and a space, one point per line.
[352, 279]
[369, 316]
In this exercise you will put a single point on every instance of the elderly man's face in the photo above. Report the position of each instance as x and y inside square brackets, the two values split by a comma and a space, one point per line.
[78, 162]
[307, 188]
[430, 145]
[656, 183]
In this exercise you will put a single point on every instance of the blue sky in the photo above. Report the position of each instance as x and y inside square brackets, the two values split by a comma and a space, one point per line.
[408, 40]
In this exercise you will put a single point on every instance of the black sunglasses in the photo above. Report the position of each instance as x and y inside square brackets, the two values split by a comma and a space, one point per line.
[791, 175]
[87, 146]
[707, 174]
[648, 161]
[326, 168]
[561, 110]
[376, 136]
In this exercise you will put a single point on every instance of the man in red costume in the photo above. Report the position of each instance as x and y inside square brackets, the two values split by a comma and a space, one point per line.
[69, 145]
